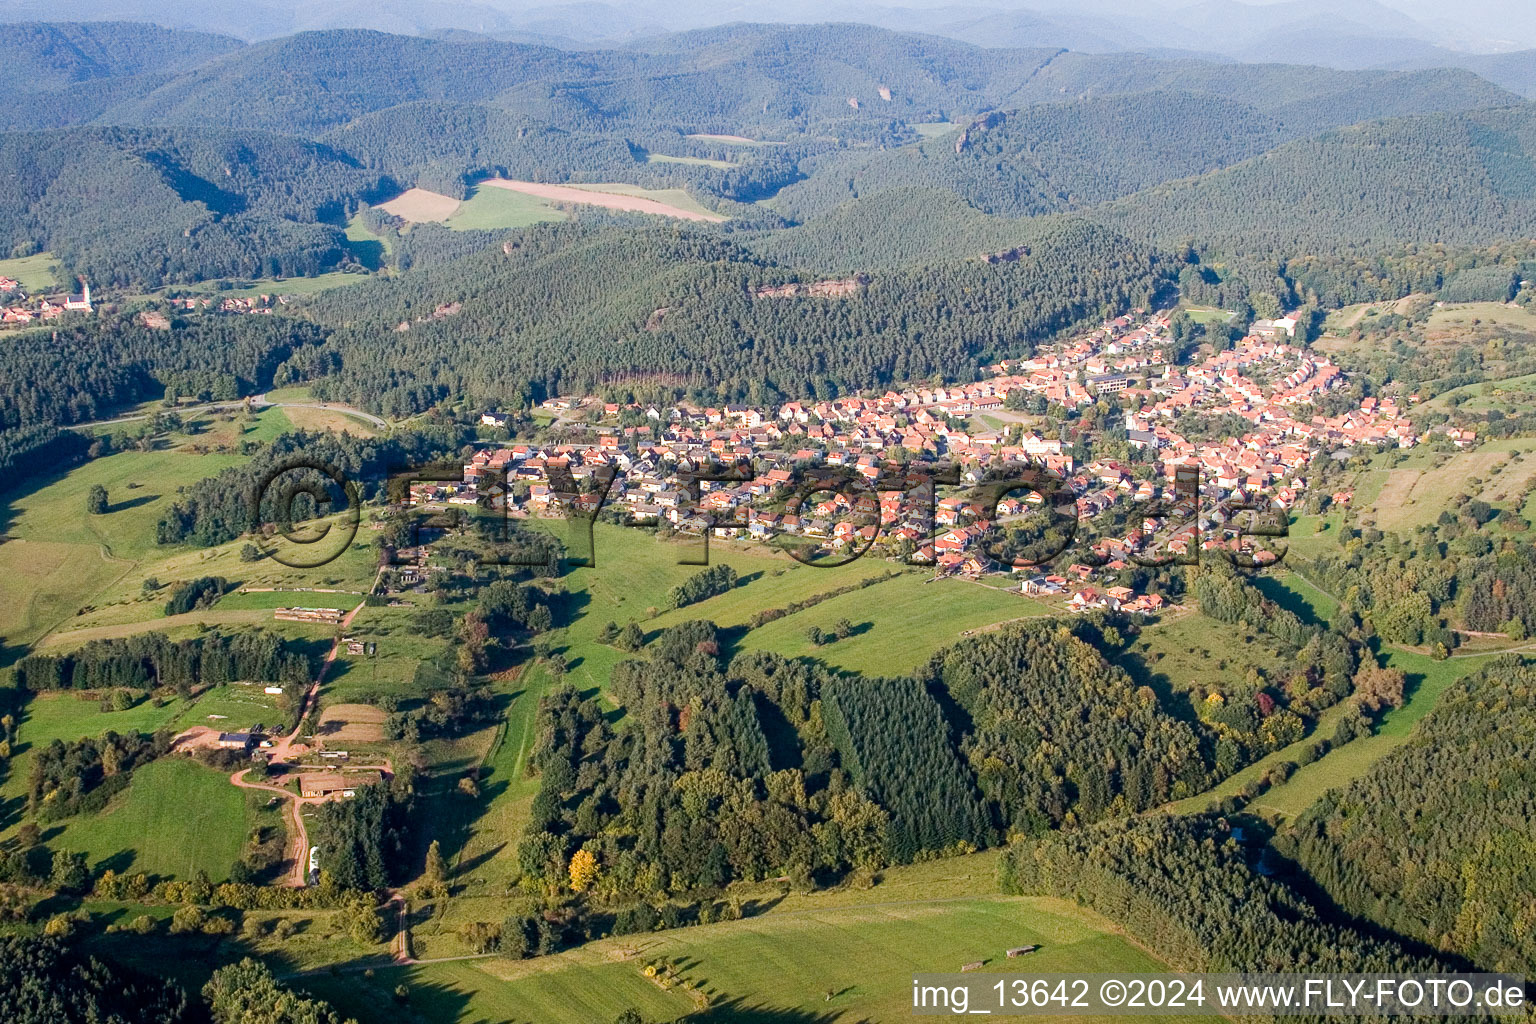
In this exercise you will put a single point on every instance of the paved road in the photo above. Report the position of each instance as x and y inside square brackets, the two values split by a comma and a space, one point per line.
[255, 401]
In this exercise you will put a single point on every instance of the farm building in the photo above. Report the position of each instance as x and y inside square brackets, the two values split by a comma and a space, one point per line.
[328, 784]
[234, 741]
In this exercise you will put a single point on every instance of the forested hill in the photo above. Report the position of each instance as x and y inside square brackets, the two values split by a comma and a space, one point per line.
[445, 146]
[312, 81]
[852, 80]
[1453, 178]
[1054, 156]
[804, 119]
[1469, 836]
[1307, 99]
[898, 227]
[568, 309]
[36, 57]
[127, 206]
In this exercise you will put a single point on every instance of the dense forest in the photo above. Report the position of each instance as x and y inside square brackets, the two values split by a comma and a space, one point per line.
[259, 153]
[365, 839]
[147, 206]
[1186, 888]
[87, 370]
[764, 766]
[1054, 156]
[1458, 179]
[749, 79]
[1038, 697]
[1437, 841]
[37, 56]
[45, 981]
[574, 309]
[444, 147]
[693, 794]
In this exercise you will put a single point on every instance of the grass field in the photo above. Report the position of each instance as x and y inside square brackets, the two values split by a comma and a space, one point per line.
[678, 201]
[1487, 395]
[1189, 650]
[58, 558]
[734, 140]
[1427, 680]
[175, 818]
[335, 420]
[489, 208]
[933, 129]
[34, 273]
[669, 202]
[1208, 314]
[230, 708]
[1420, 487]
[1454, 316]
[369, 249]
[140, 485]
[1297, 595]
[63, 717]
[898, 624]
[78, 576]
[244, 289]
[847, 960]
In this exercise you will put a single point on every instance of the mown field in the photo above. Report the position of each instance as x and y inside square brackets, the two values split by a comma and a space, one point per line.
[60, 560]
[1297, 595]
[698, 161]
[64, 717]
[840, 959]
[1185, 650]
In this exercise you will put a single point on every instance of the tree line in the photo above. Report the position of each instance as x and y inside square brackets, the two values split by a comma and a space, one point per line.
[147, 661]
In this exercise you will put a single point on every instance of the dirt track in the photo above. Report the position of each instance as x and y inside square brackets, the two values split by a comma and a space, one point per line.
[298, 838]
[280, 753]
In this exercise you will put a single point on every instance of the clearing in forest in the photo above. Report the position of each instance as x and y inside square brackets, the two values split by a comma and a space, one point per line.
[640, 201]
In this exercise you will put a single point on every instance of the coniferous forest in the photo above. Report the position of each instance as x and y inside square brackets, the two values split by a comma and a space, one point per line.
[851, 210]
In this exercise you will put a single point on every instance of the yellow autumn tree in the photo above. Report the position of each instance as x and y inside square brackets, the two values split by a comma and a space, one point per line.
[583, 870]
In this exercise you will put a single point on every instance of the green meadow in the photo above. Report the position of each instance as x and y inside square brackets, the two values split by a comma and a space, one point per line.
[698, 161]
[840, 959]
[1427, 680]
[489, 208]
[176, 817]
[64, 717]
[34, 273]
